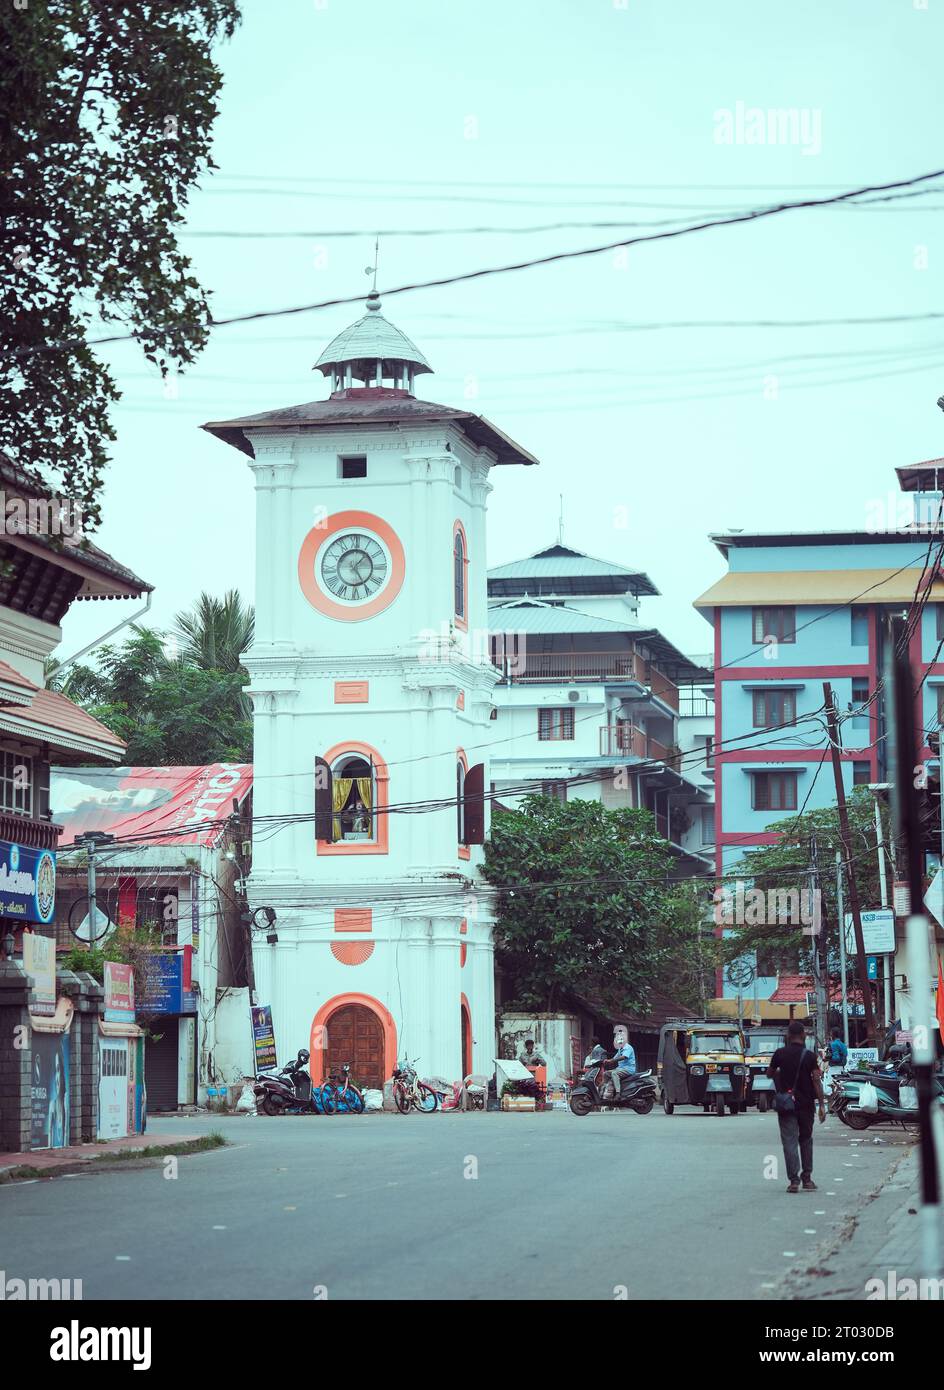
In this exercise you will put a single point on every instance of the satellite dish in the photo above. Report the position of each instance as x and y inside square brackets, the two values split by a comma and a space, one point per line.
[80, 923]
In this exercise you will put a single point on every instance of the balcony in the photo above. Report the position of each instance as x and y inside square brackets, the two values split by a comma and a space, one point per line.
[32, 834]
[525, 665]
[696, 707]
[627, 740]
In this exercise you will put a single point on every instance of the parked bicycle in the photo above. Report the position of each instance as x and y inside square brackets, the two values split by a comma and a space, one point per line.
[410, 1093]
[347, 1098]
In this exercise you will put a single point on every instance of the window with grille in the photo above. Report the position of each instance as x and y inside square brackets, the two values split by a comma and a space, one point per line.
[779, 623]
[860, 700]
[555, 723]
[774, 791]
[861, 774]
[773, 707]
[556, 790]
[16, 783]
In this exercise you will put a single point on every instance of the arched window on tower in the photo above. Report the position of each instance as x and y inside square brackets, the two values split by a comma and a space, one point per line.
[460, 561]
[460, 802]
[353, 799]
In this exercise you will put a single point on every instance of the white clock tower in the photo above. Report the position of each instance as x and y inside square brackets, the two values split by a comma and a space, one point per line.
[372, 696]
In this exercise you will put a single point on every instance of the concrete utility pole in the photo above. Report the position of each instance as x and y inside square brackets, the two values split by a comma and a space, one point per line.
[861, 964]
[841, 912]
[819, 953]
[899, 682]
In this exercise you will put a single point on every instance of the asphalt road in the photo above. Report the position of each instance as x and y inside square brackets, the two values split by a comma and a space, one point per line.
[449, 1207]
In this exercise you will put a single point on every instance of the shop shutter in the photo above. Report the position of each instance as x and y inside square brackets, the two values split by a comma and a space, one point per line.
[160, 1065]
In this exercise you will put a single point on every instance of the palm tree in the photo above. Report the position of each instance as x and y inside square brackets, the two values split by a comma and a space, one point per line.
[214, 633]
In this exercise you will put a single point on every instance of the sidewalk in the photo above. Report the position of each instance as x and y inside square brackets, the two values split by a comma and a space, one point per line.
[884, 1241]
[47, 1161]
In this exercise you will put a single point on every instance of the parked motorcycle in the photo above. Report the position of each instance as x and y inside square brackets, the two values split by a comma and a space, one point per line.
[847, 1087]
[638, 1090]
[290, 1092]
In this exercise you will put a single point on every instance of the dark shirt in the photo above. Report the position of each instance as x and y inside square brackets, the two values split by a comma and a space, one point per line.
[795, 1061]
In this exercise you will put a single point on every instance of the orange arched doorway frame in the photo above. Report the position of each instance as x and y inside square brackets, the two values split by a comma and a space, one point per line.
[466, 1036]
[320, 1022]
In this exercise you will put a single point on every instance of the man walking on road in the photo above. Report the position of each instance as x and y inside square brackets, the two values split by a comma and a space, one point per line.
[795, 1072]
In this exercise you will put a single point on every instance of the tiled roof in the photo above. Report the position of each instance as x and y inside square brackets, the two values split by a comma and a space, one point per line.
[13, 677]
[51, 710]
[558, 560]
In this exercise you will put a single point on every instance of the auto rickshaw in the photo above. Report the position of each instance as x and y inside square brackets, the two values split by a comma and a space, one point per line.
[702, 1062]
[762, 1043]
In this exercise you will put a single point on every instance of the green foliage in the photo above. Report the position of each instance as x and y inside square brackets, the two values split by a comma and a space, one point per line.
[586, 906]
[174, 710]
[106, 112]
[85, 960]
[786, 864]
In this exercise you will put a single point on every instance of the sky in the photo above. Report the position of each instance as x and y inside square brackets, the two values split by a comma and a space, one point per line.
[360, 116]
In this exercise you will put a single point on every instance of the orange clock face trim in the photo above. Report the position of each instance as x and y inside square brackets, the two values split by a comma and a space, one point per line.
[352, 566]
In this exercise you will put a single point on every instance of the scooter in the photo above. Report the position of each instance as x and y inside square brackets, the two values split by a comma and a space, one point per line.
[290, 1092]
[844, 1102]
[638, 1090]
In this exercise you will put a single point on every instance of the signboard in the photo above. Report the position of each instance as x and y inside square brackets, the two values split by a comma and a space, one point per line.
[39, 962]
[49, 1124]
[903, 1037]
[263, 1036]
[119, 992]
[901, 899]
[871, 967]
[878, 932]
[27, 882]
[934, 897]
[857, 1055]
[113, 1088]
[166, 990]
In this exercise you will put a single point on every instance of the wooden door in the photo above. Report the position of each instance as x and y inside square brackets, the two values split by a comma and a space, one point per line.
[355, 1035]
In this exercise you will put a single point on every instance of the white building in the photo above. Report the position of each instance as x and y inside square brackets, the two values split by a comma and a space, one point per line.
[591, 702]
[372, 696]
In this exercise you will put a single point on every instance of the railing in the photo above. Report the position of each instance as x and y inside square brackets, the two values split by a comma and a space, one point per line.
[23, 830]
[696, 707]
[526, 665]
[628, 740]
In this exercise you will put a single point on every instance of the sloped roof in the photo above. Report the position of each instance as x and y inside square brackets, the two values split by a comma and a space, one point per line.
[161, 805]
[381, 408]
[372, 337]
[524, 615]
[563, 570]
[54, 719]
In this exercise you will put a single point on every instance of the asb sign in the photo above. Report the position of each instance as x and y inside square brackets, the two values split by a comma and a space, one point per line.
[27, 882]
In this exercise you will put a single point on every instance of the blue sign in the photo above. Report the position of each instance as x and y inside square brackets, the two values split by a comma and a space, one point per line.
[27, 882]
[164, 991]
[872, 967]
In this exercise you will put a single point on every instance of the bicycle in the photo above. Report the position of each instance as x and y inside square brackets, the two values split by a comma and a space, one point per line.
[409, 1093]
[347, 1098]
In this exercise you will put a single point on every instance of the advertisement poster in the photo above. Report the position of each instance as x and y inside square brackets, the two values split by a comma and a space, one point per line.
[50, 1090]
[263, 1036]
[39, 962]
[119, 993]
[27, 882]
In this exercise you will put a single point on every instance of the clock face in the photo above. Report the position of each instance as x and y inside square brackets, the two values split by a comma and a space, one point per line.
[354, 566]
[351, 566]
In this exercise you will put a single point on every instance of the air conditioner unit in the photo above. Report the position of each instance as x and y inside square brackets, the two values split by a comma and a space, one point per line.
[574, 696]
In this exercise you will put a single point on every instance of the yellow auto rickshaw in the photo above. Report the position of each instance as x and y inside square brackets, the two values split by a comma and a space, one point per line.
[702, 1062]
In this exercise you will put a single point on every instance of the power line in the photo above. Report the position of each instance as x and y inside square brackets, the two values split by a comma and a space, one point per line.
[465, 277]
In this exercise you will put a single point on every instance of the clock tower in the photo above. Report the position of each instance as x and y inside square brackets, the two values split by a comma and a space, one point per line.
[371, 685]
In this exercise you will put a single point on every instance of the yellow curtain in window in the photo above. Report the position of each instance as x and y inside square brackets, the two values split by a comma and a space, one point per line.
[365, 790]
[340, 791]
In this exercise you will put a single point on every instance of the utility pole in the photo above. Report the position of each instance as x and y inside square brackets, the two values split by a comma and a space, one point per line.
[91, 841]
[819, 954]
[899, 681]
[843, 814]
[841, 912]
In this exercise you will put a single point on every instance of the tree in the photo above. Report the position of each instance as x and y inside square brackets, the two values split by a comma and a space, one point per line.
[169, 711]
[214, 634]
[585, 905]
[105, 118]
[780, 872]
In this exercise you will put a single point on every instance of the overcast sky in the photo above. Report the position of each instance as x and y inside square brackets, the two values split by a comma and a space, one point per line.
[358, 115]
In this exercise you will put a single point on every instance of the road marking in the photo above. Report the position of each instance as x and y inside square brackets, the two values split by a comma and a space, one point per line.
[810, 1231]
[821, 1213]
[219, 1228]
[789, 1254]
[123, 1257]
[284, 1209]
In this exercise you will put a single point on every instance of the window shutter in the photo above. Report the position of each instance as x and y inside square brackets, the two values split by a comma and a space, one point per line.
[474, 805]
[324, 799]
[41, 792]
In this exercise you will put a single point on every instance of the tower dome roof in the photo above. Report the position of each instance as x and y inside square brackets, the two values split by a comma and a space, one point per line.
[371, 339]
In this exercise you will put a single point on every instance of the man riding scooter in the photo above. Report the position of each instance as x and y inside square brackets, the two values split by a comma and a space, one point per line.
[625, 1059]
